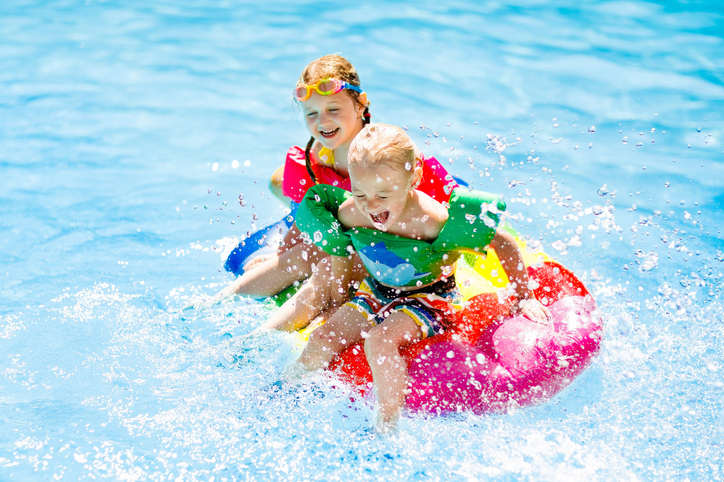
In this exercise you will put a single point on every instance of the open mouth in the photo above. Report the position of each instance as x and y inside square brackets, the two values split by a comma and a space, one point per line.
[380, 218]
[328, 134]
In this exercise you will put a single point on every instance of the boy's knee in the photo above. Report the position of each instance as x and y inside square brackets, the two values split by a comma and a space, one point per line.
[376, 342]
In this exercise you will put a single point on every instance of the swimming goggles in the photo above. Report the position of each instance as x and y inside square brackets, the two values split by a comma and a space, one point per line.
[323, 87]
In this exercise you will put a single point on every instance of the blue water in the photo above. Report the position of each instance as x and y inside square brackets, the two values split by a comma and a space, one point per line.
[600, 122]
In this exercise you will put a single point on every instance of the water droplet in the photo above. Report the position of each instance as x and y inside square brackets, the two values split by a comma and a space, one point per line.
[381, 360]
[597, 210]
[235, 164]
[247, 163]
[450, 354]
[639, 144]
[698, 129]
[625, 140]
[317, 236]
[215, 166]
[302, 182]
[447, 270]
[602, 191]
[666, 184]
[592, 129]
[408, 166]
[470, 217]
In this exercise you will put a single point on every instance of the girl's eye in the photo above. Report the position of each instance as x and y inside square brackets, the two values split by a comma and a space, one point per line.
[334, 110]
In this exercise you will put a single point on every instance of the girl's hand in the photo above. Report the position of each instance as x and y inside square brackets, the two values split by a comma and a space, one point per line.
[534, 310]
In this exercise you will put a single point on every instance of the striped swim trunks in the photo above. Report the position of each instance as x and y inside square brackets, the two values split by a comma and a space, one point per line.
[430, 306]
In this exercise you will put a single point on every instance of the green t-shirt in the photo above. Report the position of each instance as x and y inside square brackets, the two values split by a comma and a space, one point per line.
[473, 217]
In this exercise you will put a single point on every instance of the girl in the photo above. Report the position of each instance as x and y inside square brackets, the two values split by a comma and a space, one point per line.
[335, 109]
[408, 243]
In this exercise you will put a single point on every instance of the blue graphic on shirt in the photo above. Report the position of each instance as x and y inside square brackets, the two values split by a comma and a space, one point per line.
[386, 267]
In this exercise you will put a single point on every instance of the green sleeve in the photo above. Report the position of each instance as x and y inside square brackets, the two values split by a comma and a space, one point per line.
[317, 217]
[473, 218]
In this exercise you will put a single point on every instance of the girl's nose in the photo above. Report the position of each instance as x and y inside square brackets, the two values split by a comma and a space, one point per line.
[322, 119]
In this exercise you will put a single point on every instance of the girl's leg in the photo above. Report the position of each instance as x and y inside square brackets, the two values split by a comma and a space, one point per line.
[275, 273]
[344, 329]
[389, 369]
[313, 299]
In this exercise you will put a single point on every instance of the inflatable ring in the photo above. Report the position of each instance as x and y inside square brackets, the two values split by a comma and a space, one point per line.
[490, 361]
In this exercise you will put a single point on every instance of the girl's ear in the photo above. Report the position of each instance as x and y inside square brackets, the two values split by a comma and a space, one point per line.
[362, 102]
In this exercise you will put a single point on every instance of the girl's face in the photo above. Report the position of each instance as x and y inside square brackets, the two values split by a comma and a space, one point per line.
[381, 193]
[334, 119]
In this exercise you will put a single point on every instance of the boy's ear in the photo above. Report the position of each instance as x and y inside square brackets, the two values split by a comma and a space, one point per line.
[416, 175]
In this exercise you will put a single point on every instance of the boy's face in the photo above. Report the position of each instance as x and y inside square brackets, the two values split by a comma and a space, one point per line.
[381, 193]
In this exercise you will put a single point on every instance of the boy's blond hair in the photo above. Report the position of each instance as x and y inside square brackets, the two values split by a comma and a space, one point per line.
[385, 144]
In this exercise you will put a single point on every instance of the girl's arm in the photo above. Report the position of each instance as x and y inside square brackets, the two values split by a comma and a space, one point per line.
[512, 261]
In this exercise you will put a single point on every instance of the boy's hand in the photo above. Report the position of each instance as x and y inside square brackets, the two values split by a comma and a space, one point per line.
[534, 310]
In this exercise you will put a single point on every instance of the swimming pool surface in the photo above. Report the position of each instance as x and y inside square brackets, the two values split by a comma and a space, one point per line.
[128, 131]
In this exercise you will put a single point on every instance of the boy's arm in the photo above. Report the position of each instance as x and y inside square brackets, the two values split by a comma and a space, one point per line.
[511, 260]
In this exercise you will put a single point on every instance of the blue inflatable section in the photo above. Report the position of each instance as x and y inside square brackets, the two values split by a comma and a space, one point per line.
[460, 182]
[263, 241]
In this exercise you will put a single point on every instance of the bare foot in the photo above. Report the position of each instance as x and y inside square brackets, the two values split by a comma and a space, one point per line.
[386, 424]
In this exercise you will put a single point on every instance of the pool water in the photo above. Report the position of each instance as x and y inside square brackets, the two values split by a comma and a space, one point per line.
[128, 131]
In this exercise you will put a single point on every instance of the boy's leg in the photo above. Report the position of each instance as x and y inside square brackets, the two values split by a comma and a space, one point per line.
[343, 329]
[389, 369]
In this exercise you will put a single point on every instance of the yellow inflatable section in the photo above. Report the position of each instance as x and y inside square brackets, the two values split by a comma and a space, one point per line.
[478, 273]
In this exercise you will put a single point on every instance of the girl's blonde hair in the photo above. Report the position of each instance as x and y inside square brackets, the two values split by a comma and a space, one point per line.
[385, 144]
[331, 67]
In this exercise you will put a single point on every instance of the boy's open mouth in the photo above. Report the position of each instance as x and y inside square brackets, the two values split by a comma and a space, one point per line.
[328, 134]
[380, 218]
